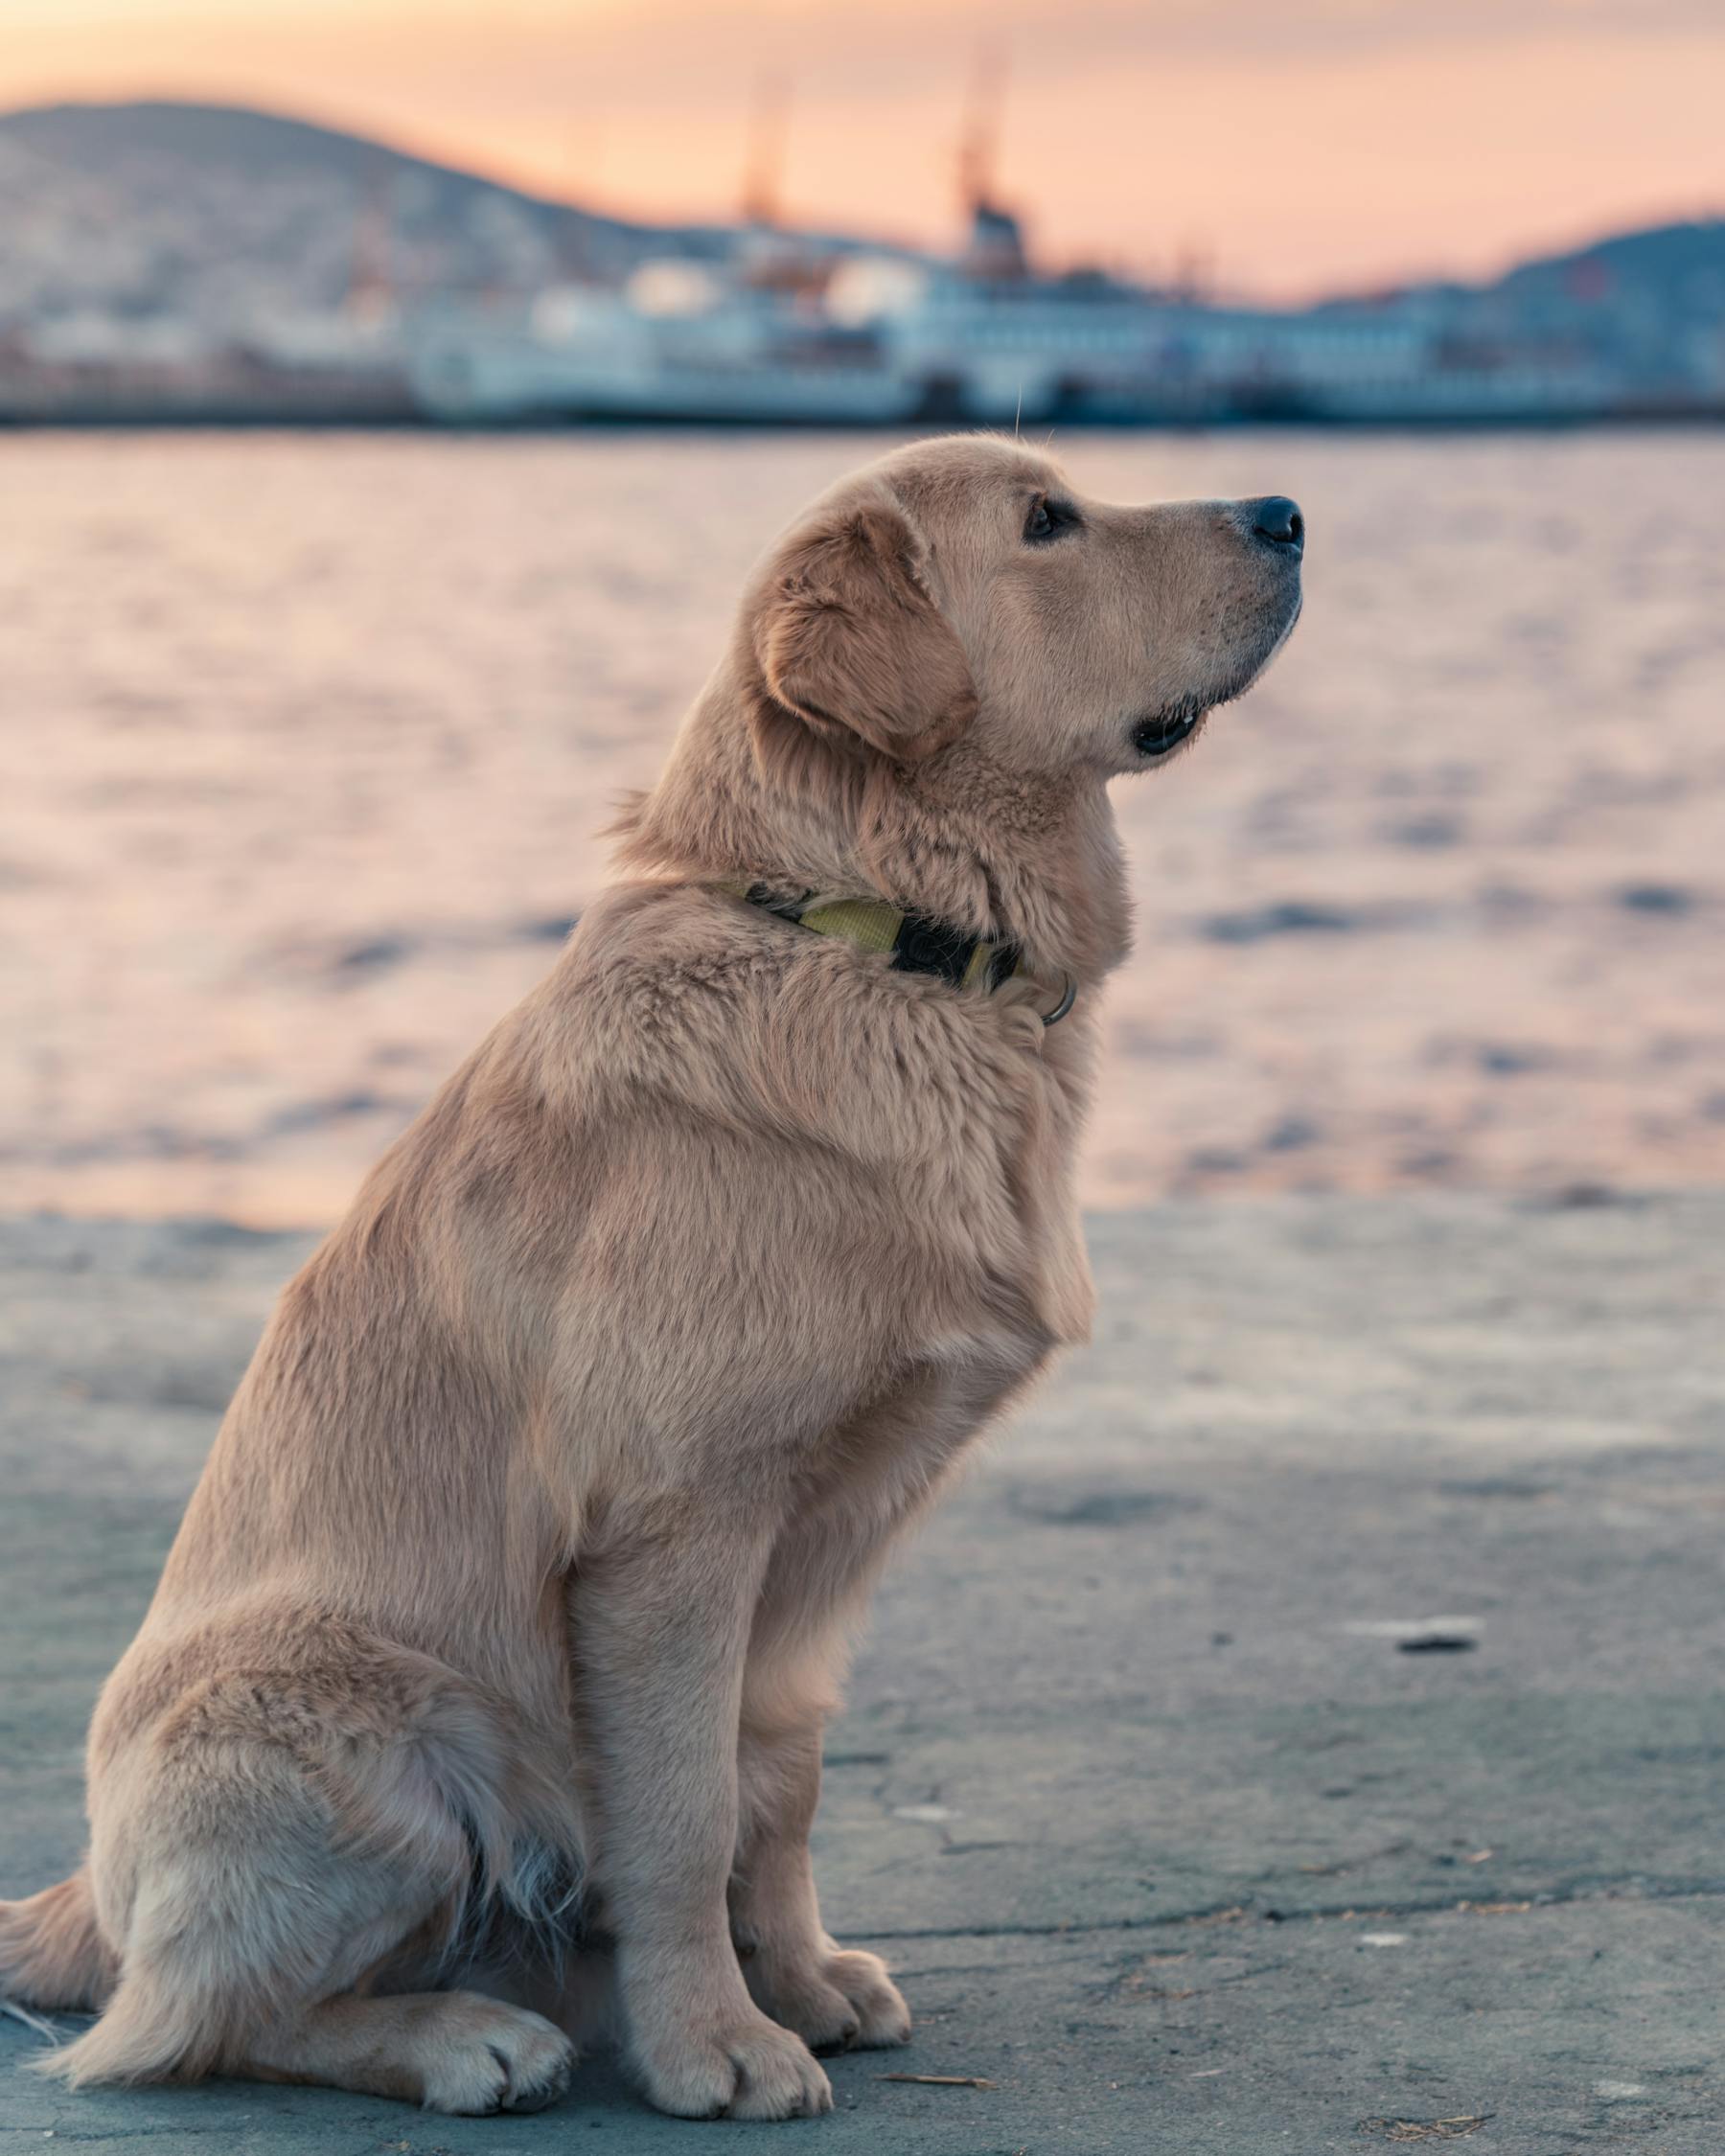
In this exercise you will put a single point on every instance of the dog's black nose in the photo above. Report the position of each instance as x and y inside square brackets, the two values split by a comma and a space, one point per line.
[1278, 520]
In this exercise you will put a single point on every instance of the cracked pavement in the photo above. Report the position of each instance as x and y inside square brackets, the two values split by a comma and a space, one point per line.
[1168, 1834]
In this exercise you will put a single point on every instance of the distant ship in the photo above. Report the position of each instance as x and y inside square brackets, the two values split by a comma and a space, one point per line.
[782, 333]
[675, 345]
[884, 341]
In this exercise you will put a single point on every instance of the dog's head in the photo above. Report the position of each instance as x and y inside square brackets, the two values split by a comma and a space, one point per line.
[960, 598]
[936, 672]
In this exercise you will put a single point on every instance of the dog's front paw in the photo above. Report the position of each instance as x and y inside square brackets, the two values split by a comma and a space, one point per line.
[839, 2001]
[743, 2069]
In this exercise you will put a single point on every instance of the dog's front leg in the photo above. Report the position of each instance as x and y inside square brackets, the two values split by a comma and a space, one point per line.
[895, 1455]
[661, 1627]
[833, 1997]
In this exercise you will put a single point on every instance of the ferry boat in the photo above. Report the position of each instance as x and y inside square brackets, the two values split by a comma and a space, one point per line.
[951, 352]
[788, 332]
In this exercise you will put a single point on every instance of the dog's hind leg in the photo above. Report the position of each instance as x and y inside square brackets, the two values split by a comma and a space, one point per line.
[235, 1907]
[249, 1927]
[272, 1847]
[449, 2051]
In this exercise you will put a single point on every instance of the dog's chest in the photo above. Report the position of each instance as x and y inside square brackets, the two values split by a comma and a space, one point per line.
[882, 1465]
[1003, 1228]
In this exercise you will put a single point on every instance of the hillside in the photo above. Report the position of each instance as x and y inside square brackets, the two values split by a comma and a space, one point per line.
[1660, 281]
[1679, 268]
[213, 215]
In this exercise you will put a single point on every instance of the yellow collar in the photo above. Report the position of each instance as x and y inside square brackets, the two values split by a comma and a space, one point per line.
[916, 943]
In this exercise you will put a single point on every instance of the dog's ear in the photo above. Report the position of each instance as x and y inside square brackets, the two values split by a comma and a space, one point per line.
[849, 639]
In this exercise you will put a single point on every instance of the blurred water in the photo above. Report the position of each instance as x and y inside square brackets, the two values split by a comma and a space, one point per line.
[307, 737]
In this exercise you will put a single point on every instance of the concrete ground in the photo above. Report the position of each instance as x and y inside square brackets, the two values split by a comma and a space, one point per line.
[1181, 1838]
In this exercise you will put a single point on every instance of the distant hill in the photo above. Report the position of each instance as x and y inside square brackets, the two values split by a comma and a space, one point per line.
[1670, 274]
[213, 213]
[1674, 274]
[220, 217]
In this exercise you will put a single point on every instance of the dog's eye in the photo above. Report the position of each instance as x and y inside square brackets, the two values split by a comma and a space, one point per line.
[1047, 517]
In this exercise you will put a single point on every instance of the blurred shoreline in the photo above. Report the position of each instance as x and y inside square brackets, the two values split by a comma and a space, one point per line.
[388, 418]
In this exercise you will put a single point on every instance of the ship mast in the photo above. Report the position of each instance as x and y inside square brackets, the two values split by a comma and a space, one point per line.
[763, 170]
[980, 134]
[994, 250]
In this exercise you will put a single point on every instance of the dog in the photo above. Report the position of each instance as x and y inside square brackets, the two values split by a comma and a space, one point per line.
[495, 1645]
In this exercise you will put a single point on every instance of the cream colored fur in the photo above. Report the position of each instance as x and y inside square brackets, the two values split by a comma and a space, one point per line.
[488, 1672]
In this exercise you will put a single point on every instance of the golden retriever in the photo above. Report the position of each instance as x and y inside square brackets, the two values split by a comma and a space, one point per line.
[498, 1638]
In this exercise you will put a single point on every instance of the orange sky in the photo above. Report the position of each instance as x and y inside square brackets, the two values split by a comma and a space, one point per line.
[1298, 145]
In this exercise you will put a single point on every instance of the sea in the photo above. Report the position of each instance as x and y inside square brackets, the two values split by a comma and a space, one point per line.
[308, 737]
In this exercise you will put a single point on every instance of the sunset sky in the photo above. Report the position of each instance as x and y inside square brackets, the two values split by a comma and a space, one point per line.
[1295, 147]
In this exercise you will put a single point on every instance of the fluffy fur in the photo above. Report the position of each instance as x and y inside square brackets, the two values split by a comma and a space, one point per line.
[489, 1668]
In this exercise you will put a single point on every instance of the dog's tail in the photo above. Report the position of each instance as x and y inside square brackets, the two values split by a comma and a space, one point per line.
[51, 1955]
[152, 2032]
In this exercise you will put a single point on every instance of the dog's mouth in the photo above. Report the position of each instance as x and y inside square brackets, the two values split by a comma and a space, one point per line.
[1163, 732]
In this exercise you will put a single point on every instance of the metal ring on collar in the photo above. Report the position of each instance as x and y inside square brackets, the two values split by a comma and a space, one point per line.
[1066, 1002]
